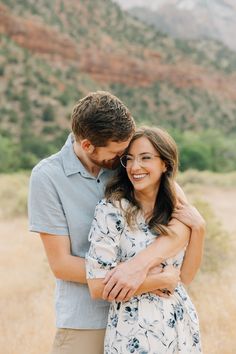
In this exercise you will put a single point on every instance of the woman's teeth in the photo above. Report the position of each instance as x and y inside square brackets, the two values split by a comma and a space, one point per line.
[139, 176]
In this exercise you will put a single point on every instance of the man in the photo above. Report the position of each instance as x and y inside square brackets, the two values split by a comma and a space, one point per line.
[64, 190]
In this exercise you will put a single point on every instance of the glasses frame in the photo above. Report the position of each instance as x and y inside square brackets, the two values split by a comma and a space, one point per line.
[137, 158]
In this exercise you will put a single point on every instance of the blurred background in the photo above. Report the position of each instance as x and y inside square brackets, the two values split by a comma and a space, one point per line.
[173, 63]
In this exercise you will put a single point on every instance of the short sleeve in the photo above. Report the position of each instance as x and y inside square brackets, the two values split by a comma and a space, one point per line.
[46, 214]
[105, 233]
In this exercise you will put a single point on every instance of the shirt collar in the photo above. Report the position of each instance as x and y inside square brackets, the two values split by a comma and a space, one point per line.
[72, 163]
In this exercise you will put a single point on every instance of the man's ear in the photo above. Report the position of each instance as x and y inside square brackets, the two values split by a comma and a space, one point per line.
[87, 146]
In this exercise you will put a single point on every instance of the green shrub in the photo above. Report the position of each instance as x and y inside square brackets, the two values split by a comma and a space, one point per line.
[48, 114]
[9, 158]
[49, 129]
[2, 70]
[13, 195]
[13, 117]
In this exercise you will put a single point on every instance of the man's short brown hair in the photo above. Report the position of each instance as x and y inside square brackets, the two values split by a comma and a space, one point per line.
[101, 117]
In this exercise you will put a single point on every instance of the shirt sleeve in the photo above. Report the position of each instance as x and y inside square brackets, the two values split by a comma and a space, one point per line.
[105, 232]
[46, 214]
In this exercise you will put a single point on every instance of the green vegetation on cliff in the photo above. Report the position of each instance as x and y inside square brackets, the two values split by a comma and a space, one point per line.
[37, 92]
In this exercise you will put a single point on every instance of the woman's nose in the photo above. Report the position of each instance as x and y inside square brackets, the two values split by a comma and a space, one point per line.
[135, 164]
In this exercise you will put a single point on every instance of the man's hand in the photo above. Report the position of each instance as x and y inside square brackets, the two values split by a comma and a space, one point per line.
[171, 276]
[122, 282]
[188, 215]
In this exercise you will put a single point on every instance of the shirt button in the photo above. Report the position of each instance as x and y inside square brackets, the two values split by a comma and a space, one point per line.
[98, 180]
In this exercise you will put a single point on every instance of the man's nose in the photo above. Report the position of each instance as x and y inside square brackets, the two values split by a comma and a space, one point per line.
[119, 154]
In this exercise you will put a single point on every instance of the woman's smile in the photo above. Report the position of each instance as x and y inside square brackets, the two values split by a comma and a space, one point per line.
[138, 176]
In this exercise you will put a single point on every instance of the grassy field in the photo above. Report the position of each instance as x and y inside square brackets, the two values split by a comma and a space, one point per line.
[27, 285]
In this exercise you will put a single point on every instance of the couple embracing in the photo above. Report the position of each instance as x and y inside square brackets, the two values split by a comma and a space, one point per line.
[119, 235]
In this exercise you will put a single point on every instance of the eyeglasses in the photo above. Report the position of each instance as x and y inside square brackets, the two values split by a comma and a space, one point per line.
[142, 159]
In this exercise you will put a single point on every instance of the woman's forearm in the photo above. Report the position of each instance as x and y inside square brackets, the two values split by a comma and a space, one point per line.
[152, 282]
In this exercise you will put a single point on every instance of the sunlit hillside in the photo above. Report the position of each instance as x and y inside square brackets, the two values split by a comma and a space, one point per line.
[26, 290]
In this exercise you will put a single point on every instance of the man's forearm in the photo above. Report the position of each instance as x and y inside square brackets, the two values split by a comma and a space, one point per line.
[151, 283]
[63, 265]
[70, 268]
[161, 249]
[193, 255]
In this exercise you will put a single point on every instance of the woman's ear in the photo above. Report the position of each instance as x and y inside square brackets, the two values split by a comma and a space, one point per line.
[164, 168]
[87, 146]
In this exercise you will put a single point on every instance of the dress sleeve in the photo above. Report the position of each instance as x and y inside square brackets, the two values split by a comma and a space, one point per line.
[105, 232]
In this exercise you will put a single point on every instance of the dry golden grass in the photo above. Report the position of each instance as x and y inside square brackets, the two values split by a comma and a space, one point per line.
[214, 293]
[214, 297]
[207, 178]
[26, 290]
[13, 195]
[26, 296]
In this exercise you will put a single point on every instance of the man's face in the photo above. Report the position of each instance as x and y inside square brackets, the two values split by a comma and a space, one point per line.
[108, 156]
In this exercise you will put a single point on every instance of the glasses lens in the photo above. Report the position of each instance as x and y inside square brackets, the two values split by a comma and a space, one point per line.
[123, 161]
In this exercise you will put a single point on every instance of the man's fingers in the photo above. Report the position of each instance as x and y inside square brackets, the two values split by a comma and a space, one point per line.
[180, 200]
[182, 218]
[161, 294]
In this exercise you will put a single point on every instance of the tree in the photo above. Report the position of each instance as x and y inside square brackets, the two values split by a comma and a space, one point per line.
[9, 158]
[48, 114]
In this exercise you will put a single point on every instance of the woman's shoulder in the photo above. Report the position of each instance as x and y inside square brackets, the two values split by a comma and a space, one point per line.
[115, 205]
[115, 208]
[111, 214]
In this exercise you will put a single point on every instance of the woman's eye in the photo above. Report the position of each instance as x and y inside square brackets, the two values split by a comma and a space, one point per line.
[146, 157]
[129, 158]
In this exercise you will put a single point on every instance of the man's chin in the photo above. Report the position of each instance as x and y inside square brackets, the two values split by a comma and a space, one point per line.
[111, 165]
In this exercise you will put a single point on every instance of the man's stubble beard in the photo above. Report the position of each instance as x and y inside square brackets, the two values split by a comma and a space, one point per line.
[109, 164]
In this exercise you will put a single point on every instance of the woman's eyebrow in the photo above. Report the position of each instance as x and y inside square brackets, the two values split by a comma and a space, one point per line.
[142, 153]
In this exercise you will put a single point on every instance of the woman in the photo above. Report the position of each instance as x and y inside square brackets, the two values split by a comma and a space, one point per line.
[139, 206]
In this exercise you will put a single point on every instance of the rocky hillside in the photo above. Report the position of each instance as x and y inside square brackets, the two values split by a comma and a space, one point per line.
[53, 53]
[189, 19]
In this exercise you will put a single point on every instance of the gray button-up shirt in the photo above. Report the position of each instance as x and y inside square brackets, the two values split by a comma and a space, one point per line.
[62, 200]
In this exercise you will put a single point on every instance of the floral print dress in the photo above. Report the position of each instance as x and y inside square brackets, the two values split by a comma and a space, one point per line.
[146, 324]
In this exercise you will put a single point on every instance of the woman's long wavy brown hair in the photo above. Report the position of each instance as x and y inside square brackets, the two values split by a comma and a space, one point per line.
[120, 186]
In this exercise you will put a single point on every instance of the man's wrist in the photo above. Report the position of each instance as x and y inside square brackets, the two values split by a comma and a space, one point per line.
[199, 228]
[162, 281]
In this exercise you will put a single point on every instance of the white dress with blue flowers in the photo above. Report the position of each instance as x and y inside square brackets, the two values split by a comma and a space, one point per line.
[146, 324]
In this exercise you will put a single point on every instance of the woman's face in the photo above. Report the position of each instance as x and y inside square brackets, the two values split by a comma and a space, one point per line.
[144, 166]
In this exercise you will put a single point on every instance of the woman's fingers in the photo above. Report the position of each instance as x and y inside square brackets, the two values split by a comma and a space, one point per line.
[128, 296]
[108, 276]
[123, 295]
